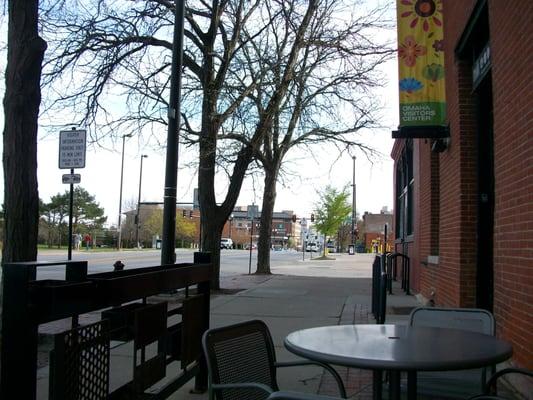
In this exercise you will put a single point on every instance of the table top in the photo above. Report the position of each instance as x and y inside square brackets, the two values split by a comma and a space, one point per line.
[398, 347]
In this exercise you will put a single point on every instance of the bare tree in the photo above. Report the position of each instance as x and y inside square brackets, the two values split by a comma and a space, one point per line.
[238, 92]
[329, 98]
[126, 46]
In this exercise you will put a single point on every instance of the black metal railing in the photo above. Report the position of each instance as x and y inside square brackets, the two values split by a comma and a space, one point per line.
[28, 302]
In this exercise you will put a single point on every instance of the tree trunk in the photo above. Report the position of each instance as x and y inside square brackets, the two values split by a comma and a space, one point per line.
[265, 230]
[21, 108]
[211, 235]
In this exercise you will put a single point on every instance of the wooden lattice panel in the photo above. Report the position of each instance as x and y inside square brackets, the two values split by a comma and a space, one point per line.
[80, 363]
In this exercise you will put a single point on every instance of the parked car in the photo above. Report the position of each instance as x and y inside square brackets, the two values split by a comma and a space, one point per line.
[247, 246]
[226, 243]
[311, 246]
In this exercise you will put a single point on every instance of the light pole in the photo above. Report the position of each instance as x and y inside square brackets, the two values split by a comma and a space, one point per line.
[119, 244]
[353, 206]
[138, 216]
[168, 245]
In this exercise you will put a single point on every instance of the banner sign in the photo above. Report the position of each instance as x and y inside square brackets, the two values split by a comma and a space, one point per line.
[421, 64]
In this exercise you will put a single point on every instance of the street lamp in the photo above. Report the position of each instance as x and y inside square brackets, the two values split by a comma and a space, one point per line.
[119, 245]
[138, 216]
[230, 221]
[353, 206]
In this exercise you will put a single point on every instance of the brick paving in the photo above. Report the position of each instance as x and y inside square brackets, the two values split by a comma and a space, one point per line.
[358, 382]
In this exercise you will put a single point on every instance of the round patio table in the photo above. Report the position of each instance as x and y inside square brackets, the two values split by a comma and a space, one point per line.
[398, 348]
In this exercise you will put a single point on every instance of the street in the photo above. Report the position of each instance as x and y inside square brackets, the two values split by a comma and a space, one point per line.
[233, 262]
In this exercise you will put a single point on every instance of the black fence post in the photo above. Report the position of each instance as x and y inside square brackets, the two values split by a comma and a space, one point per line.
[19, 334]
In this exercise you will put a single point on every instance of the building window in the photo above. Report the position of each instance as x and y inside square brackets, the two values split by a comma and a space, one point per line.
[404, 192]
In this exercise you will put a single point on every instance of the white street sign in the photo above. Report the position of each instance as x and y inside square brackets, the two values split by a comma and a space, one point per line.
[72, 149]
[71, 178]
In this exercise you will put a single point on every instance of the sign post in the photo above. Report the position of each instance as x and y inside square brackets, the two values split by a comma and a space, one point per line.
[72, 146]
[303, 229]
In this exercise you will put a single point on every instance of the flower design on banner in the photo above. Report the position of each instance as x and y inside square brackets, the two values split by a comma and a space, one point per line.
[409, 50]
[410, 85]
[438, 45]
[427, 11]
[433, 72]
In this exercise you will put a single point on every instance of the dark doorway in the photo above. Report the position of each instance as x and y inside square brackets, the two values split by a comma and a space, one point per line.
[485, 201]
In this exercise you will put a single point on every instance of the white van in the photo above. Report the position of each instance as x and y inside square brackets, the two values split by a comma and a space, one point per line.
[226, 243]
[311, 246]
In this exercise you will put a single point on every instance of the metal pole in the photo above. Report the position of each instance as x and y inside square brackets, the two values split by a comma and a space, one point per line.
[200, 237]
[303, 244]
[138, 216]
[70, 211]
[385, 239]
[168, 245]
[119, 245]
[354, 216]
[251, 242]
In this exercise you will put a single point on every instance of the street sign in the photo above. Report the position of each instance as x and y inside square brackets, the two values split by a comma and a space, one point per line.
[72, 149]
[195, 201]
[71, 178]
[252, 211]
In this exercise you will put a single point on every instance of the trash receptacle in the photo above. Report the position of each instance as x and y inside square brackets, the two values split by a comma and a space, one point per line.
[351, 249]
[158, 243]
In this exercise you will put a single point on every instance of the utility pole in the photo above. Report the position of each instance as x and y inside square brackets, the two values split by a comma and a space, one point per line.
[119, 244]
[138, 216]
[354, 214]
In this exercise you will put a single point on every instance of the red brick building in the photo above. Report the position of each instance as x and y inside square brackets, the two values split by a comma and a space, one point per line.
[373, 230]
[464, 205]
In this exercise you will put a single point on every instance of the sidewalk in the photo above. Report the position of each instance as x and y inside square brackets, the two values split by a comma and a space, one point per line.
[307, 294]
[301, 295]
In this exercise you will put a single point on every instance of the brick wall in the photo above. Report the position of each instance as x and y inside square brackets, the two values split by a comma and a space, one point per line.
[512, 59]
[455, 197]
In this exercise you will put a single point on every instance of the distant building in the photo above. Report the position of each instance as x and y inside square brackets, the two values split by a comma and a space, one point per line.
[284, 231]
[372, 230]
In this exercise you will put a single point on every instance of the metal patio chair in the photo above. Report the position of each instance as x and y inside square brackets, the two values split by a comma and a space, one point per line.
[453, 384]
[490, 390]
[242, 364]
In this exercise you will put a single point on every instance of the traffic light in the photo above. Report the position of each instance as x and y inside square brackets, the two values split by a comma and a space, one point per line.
[312, 217]
[190, 214]
[293, 217]
[184, 213]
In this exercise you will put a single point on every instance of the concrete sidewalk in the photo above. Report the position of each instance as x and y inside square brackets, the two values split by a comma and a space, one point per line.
[307, 294]
[301, 295]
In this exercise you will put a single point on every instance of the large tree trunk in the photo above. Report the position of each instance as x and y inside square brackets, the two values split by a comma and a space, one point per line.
[265, 230]
[21, 109]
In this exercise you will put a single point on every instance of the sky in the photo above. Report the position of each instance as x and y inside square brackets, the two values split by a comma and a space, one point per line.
[310, 170]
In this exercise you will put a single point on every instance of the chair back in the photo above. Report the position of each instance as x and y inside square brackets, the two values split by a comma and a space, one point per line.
[453, 384]
[468, 319]
[238, 353]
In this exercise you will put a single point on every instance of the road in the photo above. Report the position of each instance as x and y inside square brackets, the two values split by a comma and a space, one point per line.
[233, 262]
